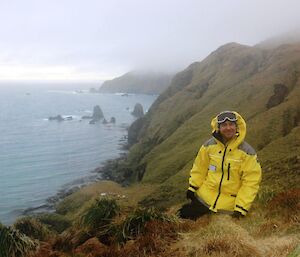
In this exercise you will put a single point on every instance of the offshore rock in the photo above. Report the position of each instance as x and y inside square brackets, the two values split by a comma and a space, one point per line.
[138, 110]
[58, 118]
[97, 113]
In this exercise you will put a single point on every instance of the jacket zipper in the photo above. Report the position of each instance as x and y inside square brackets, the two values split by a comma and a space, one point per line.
[228, 174]
[214, 206]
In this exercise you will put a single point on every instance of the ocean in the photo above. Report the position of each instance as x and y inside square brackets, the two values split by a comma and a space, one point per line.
[39, 157]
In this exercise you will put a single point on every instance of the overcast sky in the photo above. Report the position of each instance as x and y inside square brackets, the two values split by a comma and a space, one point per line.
[101, 39]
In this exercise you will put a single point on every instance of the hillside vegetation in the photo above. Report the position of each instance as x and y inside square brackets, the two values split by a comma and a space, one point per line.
[262, 85]
[137, 82]
[109, 220]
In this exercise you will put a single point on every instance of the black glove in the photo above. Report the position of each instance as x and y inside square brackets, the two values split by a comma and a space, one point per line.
[190, 195]
[237, 215]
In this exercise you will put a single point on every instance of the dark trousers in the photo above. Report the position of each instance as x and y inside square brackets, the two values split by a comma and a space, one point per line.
[193, 210]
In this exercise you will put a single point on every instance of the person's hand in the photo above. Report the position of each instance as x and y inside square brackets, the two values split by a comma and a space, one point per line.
[190, 195]
[237, 215]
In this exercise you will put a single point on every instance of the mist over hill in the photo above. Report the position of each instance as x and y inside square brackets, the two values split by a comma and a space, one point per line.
[138, 82]
[291, 37]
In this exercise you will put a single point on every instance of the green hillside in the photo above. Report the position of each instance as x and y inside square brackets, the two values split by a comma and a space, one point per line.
[263, 85]
[137, 82]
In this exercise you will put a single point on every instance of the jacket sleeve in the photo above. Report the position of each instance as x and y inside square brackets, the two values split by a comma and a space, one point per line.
[251, 177]
[199, 169]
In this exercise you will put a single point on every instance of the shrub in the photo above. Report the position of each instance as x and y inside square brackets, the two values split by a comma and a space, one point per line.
[32, 228]
[15, 244]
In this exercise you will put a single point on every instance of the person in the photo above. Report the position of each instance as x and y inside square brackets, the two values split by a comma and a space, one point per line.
[225, 176]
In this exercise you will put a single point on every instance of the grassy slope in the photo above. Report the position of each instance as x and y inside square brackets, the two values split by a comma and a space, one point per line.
[240, 78]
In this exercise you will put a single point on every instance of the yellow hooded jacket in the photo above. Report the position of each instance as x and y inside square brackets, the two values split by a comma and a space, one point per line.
[226, 177]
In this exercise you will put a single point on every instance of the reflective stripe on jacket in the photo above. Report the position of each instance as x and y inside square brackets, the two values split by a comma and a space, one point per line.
[226, 177]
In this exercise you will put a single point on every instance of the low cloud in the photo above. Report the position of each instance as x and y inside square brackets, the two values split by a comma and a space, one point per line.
[106, 38]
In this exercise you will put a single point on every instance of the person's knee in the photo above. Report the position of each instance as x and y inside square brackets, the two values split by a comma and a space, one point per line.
[200, 208]
[192, 210]
[186, 212]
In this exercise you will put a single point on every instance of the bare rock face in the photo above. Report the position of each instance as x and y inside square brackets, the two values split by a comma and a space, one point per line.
[138, 111]
[280, 92]
[134, 130]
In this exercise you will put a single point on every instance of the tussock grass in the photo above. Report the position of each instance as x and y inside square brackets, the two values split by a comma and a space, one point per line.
[129, 227]
[155, 240]
[135, 223]
[224, 237]
[33, 228]
[71, 238]
[101, 213]
[15, 244]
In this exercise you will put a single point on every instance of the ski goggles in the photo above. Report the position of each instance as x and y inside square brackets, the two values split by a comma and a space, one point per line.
[227, 115]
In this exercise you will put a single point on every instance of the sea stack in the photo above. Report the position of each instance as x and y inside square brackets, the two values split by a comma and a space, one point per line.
[138, 111]
[97, 115]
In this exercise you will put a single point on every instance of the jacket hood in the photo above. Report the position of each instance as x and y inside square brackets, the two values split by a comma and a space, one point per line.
[241, 130]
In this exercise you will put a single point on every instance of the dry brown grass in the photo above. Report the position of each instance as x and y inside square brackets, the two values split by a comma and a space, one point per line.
[287, 204]
[156, 240]
[224, 237]
[209, 236]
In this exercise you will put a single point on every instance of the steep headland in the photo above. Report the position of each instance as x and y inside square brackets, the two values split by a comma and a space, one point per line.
[137, 82]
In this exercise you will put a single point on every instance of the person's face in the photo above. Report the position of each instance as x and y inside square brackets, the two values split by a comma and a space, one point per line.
[228, 130]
